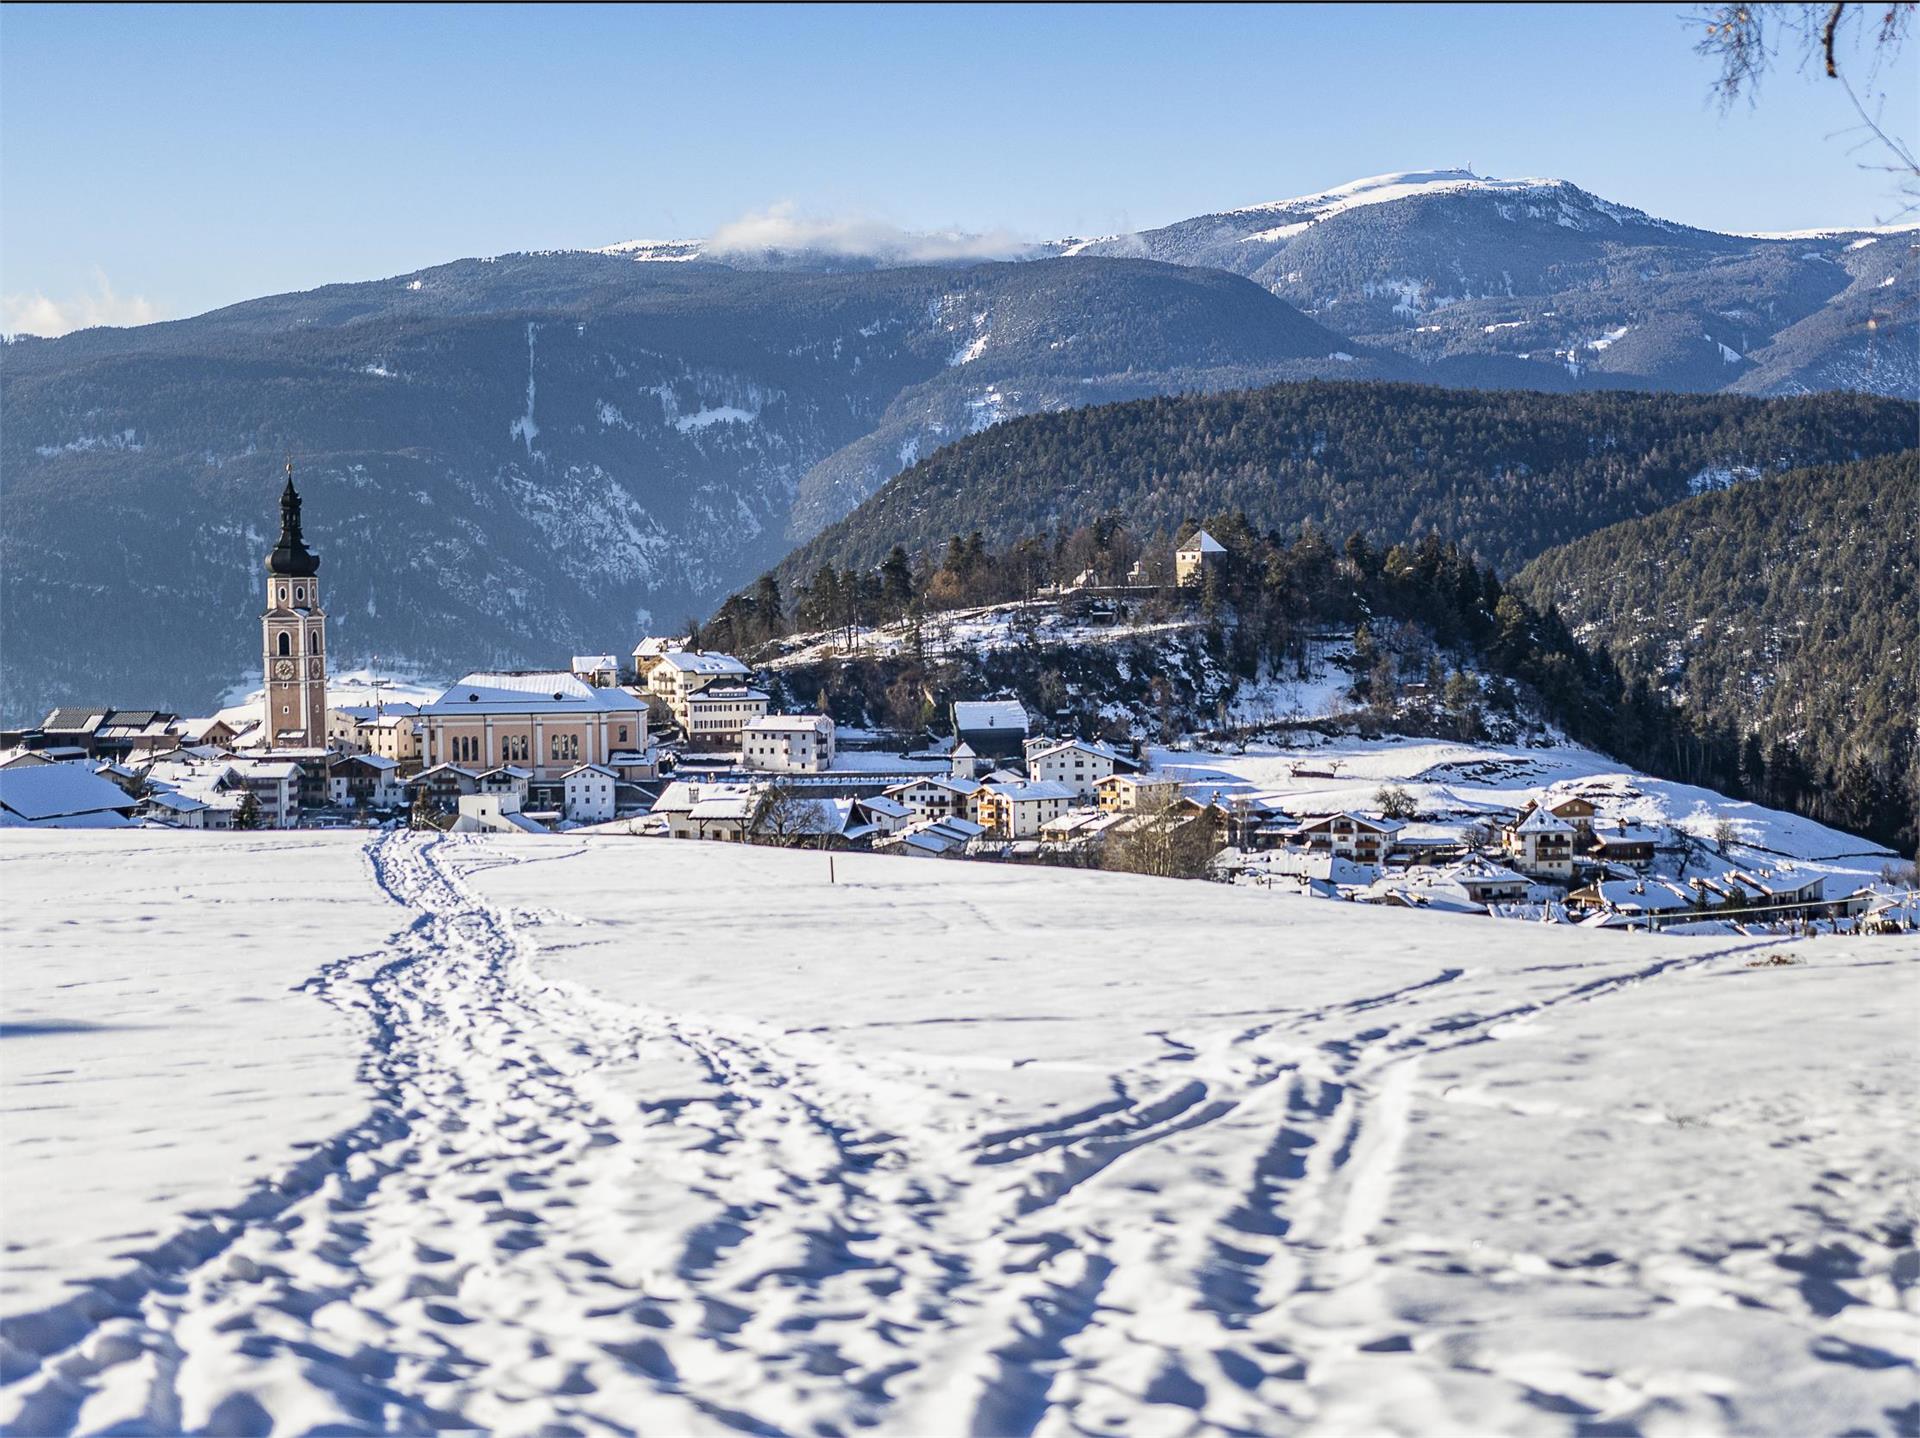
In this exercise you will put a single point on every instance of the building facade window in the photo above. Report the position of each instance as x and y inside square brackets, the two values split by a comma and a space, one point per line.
[565, 747]
[515, 748]
[286, 642]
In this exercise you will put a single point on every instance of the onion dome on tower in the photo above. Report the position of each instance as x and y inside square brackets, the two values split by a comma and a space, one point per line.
[290, 556]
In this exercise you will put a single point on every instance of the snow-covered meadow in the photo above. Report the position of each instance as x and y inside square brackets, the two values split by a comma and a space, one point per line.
[665, 1137]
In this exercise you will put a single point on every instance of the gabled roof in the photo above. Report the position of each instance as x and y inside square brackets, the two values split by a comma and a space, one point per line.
[1543, 821]
[50, 793]
[1378, 826]
[693, 661]
[978, 714]
[599, 769]
[791, 724]
[1200, 542]
[1026, 790]
[542, 691]
[589, 663]
[1100, 751]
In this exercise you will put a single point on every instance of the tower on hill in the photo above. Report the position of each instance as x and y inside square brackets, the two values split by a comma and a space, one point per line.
[293, 633]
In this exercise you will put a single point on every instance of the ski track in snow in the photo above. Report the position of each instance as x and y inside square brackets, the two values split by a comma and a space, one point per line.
[564, 1214]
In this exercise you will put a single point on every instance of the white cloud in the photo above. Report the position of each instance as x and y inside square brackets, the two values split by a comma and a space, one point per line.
[783, 227]
[36, 314]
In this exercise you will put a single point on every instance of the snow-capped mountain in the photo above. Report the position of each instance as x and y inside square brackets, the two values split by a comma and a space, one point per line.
[1540, 283]
[514, 455]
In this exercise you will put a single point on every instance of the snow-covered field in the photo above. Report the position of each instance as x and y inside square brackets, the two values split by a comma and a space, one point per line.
[663, 1137]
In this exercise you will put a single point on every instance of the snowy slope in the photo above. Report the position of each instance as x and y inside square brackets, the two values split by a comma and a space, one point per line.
[684, 1138]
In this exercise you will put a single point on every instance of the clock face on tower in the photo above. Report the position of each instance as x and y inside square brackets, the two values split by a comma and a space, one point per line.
[313, 667]
[283, 669]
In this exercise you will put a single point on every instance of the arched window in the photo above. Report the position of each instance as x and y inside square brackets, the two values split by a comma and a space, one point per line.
[283, 594]
[299, 596]
[313, 641]
[286, 642]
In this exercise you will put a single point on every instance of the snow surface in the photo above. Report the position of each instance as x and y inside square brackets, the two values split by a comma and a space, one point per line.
[953, 1148]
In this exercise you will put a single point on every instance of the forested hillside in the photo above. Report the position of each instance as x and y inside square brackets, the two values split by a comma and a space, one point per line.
[1506, 475]
[1784, 616]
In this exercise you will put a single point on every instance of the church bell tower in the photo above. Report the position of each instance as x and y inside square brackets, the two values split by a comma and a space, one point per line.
[293, 633]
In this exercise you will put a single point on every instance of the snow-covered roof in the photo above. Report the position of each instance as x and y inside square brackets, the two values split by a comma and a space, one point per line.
[54, 793]
[1027, 790]
[593, 663]
[599, 769]
[658, 644]
[175, 802]
[542, 691]
[1365, 821]
[977, 714]
[881, 804]
[693, 661]
[1087, 746]
[791, 724]
[371, 761]
[726, 694]
[1543, 821]
[1200, 542]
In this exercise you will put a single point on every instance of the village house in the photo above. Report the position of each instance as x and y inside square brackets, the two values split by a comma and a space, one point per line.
[1073, 762]
[992, 728]
[1540, 843]
[590, 791]
[1191, 559]
[931, 838]
[62, 796]
[1134, 793]
[365, 781]
[1576, 811]
[1623, 843]
[545, 722]
[937, 796]
[788, 744]
[174, 810]
[395, 735]
[214, 732]
[1359, 837]
[442, 786]
[1018, 810]
[275, 785]
[648, 653]
[683, 672]
[602, 671]
[717, 716]
[497, 813]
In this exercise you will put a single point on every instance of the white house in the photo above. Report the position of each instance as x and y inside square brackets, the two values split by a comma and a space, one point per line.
[275, 786]
[589, 794]
[1073, 762]
[602, 671]
[178, 811]
[370, 781]
[788, 744]
[494, 813]
[1358, 837]
[937, 796]
[717, 716]
[681, 672]
[1017, 811]
[1191, 559]
[1541, 844]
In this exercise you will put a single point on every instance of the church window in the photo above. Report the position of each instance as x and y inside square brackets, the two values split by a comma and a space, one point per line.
[313, 641]
[623, 735]
[283, 594]
[286, 642]
[299, 596]
[565, 747]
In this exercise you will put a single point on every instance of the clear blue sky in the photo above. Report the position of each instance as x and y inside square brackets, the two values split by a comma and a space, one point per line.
[159, 161]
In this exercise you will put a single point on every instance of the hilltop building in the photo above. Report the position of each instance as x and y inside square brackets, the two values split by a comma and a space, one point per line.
[1191, 559]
